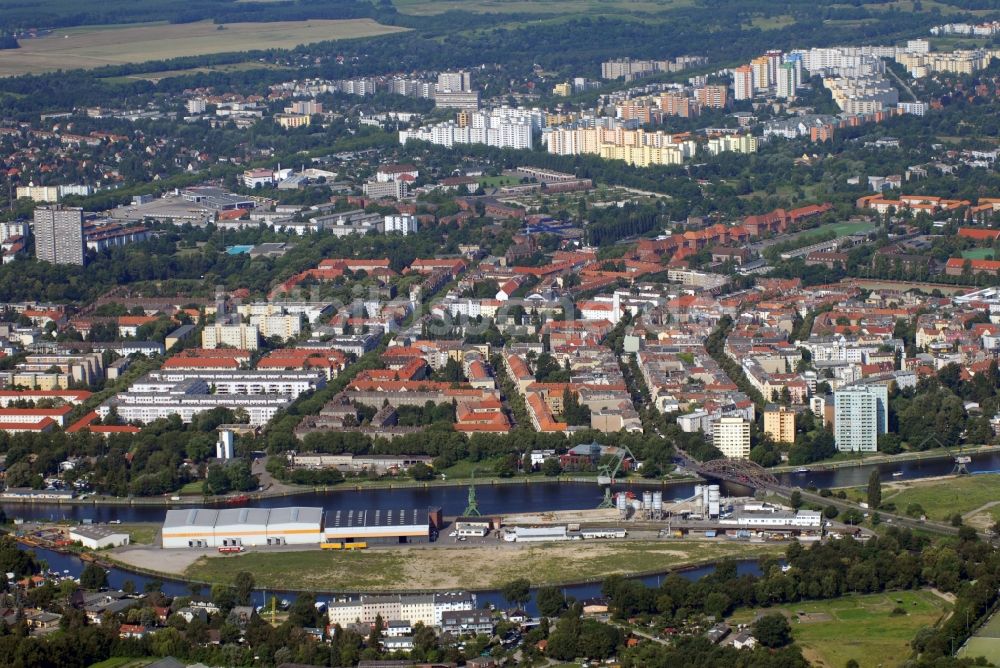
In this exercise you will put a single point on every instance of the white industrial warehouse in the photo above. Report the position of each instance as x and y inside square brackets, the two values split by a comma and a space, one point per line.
[252, 527]
[209, 527]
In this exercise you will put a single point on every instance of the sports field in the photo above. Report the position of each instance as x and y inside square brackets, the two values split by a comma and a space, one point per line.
[985, 643]
[97, 46]
[860, 627]
[978, 254]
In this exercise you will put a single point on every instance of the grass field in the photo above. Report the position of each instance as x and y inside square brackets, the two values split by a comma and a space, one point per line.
[498, 181]
[477, 567]
[772, 22]
[193, 488]
[985, 643]
[141, 534]
[841, 229]
[942, 498]
[978, 254]
[95, 47]
[123, 662]
[859, 627]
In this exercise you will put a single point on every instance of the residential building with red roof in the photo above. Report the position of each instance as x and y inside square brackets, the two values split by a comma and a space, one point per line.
[35, 415]
[87, 423]
[956, 266]
[74, 397]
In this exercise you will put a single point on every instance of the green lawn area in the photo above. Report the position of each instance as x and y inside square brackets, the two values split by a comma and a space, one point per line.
[978, 254]
[123, 662]
[772, 22]
[193, 488]
[465, 469]
[942, 498]
[447, 565]
[498, 181]
[859, 627]
[985, 643]
[142, 534]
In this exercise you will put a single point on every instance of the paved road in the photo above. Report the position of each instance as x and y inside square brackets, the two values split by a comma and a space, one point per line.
[901, 83]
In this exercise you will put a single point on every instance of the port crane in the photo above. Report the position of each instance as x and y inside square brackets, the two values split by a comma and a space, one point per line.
[606, 473]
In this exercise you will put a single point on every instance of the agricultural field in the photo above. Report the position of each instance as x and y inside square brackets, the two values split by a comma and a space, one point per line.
[95, 46]
[872, 629]
[443, 566]
[985, 643]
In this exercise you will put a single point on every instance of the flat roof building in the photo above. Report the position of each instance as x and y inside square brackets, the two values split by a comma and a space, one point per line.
[779, 424]
[860, 414]
[59, 234]
[250, 527]
[731, 436]
[378, 526]
[96, 538]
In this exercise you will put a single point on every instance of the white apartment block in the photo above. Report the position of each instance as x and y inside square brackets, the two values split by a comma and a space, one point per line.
[261, 394]
[59, 235]
[287, 326]
[311, 311]
[733, 143]
[731, 436]
[263, 381]
[424, 608]
[405, 224]
[743, 83]
[454, 82]
[860, 414]
[788, 81]
[136, 407]
[502, 127]
[501, 134]
[240, 336]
